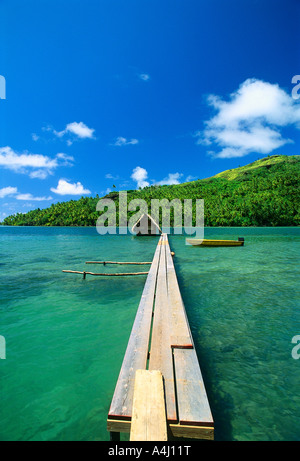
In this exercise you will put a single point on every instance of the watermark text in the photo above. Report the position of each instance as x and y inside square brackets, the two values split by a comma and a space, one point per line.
[2, 348]
[296, 349]
[182, 216]
[2, 87]
[296, 88]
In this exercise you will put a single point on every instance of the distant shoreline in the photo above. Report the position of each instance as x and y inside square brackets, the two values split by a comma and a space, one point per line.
[205, 227]
[264, 193]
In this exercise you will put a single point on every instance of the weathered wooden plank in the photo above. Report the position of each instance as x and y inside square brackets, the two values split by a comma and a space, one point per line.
[172, 352]
[161, 352]
[160, 309]
[136, 354]
[192, 432]
[179, 326]
[148, 421]
[120, 274]
[193, 405]
[182, 342]
[176, 430]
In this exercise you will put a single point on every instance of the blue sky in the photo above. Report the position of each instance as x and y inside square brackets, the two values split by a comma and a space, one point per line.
[136, 92]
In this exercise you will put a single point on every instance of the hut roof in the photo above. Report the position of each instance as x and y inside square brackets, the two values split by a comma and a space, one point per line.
[142, 225]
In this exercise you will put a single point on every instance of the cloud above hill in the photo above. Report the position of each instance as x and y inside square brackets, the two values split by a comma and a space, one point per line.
[66, 188]
[10, 191]
[140, 176]
[34, 165]
[250, 121]
[75, 130]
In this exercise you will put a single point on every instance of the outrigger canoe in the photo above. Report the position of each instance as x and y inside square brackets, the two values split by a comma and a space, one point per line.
[216, 243]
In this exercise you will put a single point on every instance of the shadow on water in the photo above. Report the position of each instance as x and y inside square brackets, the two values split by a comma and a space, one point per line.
[17, 287]
[221, 402]
[43, 259]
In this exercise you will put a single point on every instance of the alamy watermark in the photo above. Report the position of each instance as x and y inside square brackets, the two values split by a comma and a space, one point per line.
[296, 349]
[2, 87]
[296, 89]
[180, 213]
[2, 348]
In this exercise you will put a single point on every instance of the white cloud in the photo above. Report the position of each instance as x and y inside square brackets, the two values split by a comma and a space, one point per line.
[8, 191]
[79, 130]
[144, 77]
[66, 160]
[140, 175]
[190, 178]
[35, 137]
[16, 162]
[66, 188]
[172, 178]
[120, 141]
[40, 174]
[35, 165]
[251, 121]
[47, 128]
[110, 176]
[31, 197]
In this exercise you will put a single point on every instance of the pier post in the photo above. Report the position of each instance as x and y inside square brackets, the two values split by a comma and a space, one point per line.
[114, 436]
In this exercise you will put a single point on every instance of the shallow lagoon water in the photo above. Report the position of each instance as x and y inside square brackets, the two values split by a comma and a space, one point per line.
[66, 337]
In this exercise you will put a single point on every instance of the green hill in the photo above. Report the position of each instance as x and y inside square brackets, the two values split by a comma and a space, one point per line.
[266, 162]
[263, 193]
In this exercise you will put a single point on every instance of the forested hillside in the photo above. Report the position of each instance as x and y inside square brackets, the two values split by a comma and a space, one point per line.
[263, 193]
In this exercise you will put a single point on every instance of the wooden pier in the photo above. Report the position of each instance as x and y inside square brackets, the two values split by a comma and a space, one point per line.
[161, 341]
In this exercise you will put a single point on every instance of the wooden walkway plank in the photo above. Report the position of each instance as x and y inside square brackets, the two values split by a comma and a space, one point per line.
[177, 430]
[161, 352]
[148, 411]
[159, 325]
[179, 326]
[136, 354]
[172, 353]
[193, 405]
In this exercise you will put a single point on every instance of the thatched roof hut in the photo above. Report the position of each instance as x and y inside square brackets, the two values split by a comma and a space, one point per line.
[146, 226]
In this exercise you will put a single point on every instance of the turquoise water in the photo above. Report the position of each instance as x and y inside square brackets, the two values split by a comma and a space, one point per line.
[66, 337]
